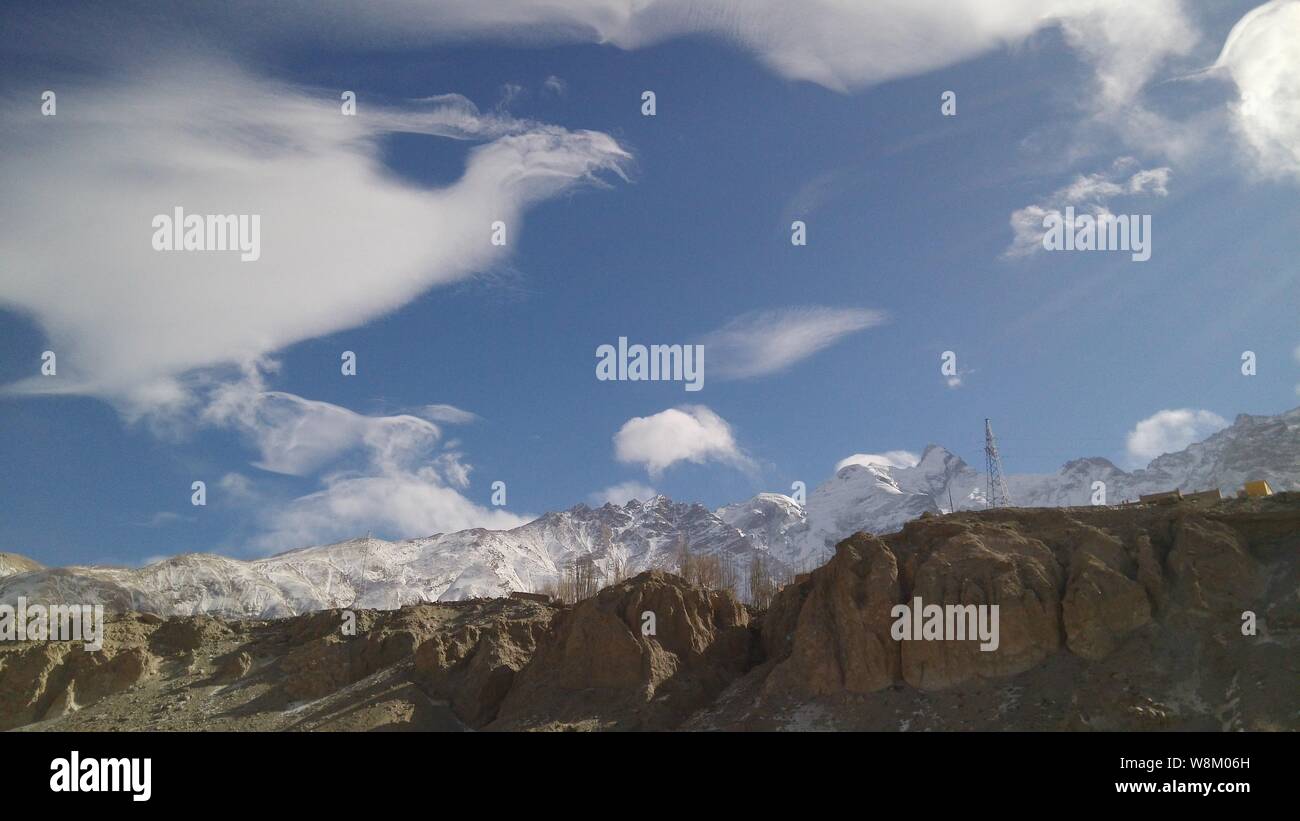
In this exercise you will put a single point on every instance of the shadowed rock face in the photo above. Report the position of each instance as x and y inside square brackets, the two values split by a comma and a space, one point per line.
[1124, 618]
[832, 633]
[842, 639]
[601, 666]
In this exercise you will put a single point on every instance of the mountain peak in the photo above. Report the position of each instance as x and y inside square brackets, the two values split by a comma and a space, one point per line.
[938, 459]
[639, 535]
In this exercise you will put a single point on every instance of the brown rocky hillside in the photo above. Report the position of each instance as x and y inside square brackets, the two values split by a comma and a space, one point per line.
[1111, 618]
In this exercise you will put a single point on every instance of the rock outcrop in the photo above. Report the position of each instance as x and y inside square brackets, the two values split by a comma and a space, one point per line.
[831, 633]
[642, 654]
[1176, 617]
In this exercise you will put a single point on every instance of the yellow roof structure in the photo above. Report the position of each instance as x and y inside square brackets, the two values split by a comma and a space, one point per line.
[1258, 488]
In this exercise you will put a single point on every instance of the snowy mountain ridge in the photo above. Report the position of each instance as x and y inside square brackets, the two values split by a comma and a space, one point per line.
[374, 573]
[643, 535]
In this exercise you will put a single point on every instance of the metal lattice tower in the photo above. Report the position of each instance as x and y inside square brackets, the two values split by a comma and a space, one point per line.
[997, 494]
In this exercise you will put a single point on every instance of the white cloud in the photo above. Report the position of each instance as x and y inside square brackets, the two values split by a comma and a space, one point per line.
[1262, 57]
[388, 474]
[162, 519]
[690, 433]
[764, 342]
[237, 486]
[510, 94]
[1170, 430]
[621, 494]
[840, 44]
[343, 240]
[447, 414]
[893, 458]
[1088, 193]
[555, 85]
[1127, 43]
[399, 503]
[300, 436]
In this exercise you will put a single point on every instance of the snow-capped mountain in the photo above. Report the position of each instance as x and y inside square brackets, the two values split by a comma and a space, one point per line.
[768, 519]
[380, 574]
[880, 498]
[641, 535]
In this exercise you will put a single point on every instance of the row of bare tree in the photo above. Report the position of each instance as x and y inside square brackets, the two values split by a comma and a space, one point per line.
[582, 578]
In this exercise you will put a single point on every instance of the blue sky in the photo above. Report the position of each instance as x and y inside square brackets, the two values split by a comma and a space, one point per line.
[663, 229]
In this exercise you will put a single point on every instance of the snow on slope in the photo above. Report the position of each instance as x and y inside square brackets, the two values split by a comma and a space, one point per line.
[11, 563]
[879, 498]
[380, 574]
[768, 519]
[642, 535]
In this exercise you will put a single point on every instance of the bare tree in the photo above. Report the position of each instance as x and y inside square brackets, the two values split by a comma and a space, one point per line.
[617, 570]
[763, 583]
[581, 579]
[710, 572]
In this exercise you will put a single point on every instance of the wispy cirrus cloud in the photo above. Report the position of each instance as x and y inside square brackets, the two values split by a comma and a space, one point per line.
[446, 414]
[767, 342]
[839, 44]
[343, 240]
[555, 86]
[1087, 193]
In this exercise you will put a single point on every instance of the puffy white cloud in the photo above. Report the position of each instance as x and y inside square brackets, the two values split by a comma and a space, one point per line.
[1088, 193]
[342, 239]
[1262, 56]
[1170, 430]
[690, 433]
[892, 458]
[621, 494]
[764, 342]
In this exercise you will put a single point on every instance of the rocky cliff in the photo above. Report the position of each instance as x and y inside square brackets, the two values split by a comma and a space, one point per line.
[1178, 617]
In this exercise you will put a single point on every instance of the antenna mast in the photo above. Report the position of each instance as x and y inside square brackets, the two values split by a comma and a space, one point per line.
[997, 494]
